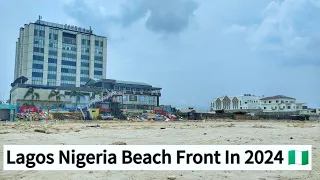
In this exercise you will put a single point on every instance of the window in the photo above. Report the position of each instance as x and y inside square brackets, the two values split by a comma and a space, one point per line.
[277, 101]
[88, 42]
[132, 98]
[37, 74]
[83, 41]
[67, 55]
[269, 101]
[97, 72]
[96, 65]
[265, 102]
[68, 78]
[52, 76]
[68, 40]
[83, 71]
[264, 107]
[101, 43]
[38, 58]
[84, 64]
[37, 66]
[35, 32]
[65, 70]
[96, 43]
[38, 49]
[245, 102]
[84, 56]
[52, 68]
[289, 107]
[98, 58]
[68, 63]
[41, 33]
[51, 60]
[69, 35]
[53, 53]
[84, 79]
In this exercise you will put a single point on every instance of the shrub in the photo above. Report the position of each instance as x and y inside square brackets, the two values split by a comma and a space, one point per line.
[99, 117]
[59, 116]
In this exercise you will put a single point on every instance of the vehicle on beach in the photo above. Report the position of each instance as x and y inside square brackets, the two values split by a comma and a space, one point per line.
[107, 117]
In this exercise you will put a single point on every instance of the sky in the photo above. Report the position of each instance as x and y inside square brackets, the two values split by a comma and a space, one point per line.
[195, 50]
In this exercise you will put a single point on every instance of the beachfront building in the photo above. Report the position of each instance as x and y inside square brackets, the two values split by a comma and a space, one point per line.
[280, 103]
[59, 55]
[18, 92]
[245, 101]
[134, 96]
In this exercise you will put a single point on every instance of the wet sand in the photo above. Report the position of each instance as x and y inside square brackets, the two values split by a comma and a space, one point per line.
[175, 133]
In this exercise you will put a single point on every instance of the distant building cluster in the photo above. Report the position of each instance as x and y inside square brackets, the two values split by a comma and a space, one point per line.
[278, 103]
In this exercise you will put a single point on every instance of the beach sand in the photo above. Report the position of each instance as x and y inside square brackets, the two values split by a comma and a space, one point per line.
[175, 133]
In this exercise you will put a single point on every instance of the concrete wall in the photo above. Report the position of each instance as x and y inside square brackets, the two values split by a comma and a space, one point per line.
[17, 98]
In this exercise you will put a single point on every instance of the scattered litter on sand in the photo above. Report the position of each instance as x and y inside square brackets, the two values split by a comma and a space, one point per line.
[260, 126]
[172, 178]
[225, 125]
[119, 143]
[162, 128]
[4, 132]
[40, 130]
[95, 126]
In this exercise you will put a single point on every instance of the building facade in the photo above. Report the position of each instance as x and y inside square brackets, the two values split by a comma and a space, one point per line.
[59, 55]
[246, 101]
[280, 103]
[134, 96]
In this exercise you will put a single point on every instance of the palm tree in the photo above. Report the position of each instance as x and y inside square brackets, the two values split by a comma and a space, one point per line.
[34, 95]
[78, 96]
[56, 94]
[99, 92]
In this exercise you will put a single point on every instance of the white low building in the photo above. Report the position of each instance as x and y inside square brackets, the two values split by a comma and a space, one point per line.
[246, 101]
[280, 103]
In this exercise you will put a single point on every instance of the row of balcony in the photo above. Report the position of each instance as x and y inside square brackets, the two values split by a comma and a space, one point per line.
[150, 93]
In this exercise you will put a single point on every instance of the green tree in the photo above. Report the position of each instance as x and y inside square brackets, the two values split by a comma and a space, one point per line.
[57, 95]
[99, 92]
[34, 95]
[78, 95]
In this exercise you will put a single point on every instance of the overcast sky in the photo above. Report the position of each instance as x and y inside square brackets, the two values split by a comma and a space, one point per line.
[196, 50]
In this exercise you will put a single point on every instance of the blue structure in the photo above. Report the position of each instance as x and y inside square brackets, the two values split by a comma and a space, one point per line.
[7, 112]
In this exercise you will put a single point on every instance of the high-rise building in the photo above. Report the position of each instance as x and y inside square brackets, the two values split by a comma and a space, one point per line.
[59, 55]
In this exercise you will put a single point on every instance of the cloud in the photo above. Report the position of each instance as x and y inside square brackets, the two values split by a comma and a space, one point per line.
[289, 32]
[218, 43]
[164, 17]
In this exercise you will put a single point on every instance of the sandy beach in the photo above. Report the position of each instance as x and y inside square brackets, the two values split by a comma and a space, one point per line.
[167, 133]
